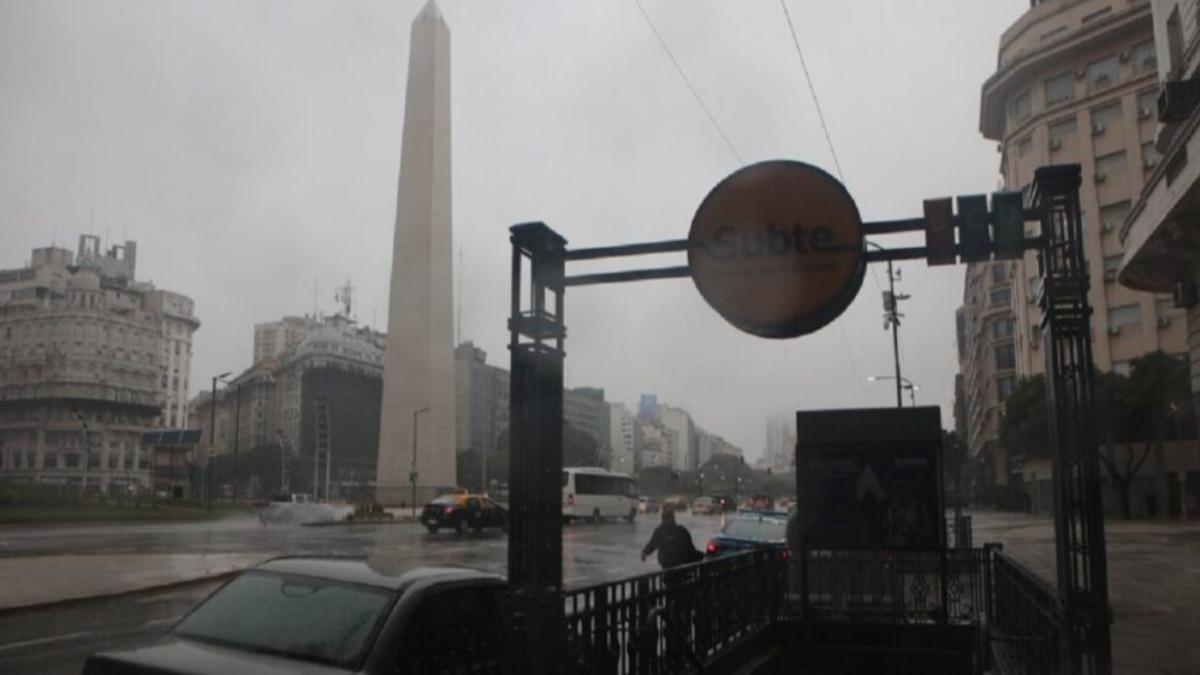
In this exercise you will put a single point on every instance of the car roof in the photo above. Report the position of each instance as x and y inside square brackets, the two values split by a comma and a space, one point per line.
[754, 514]
[359, 570]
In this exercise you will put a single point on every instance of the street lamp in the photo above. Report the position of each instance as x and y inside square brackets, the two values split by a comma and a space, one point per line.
[212, 438]
[902, 382]
[412, 474]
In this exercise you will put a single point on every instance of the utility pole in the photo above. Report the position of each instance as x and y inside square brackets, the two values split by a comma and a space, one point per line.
[891, 317]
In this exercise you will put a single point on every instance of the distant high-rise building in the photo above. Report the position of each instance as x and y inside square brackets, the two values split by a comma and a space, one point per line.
[680, 422]
[271, 339]
[648, 408]
[418, 386]
[1077, 82]
[780, 452]
[90, 358]
[622, 458]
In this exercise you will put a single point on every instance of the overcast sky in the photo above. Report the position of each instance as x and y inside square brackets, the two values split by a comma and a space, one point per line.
[252, 150]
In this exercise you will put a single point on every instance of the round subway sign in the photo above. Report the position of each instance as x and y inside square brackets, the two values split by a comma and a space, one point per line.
[777, 249]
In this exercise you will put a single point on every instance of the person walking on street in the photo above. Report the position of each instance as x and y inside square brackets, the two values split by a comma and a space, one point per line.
[674, 545]
[672, 541]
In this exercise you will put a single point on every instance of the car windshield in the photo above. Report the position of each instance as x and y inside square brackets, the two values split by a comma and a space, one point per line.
[765, 529]
[296, 617]
[447, 500]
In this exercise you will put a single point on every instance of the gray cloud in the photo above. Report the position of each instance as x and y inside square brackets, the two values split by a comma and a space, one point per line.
[252, 150]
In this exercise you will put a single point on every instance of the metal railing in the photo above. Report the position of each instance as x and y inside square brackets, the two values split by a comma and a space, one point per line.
[891, 587]
[674, 620]
[1026, 620]
[958, 531]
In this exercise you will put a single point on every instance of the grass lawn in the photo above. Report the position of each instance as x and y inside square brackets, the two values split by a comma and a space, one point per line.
[110, 513]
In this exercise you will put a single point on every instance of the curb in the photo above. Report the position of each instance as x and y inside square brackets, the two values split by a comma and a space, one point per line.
[145, 590]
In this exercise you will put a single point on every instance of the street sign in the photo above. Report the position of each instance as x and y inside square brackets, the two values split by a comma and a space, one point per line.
[1010, 225]
[974, 236]
[939, 232]
[777, 249]
[412, 476]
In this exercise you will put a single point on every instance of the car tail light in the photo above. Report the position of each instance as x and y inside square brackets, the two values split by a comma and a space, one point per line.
[786, 554]
[448, 511]
[713, 547]
[570, 500]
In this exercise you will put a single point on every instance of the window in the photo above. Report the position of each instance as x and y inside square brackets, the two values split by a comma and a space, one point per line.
[1105, 115]
[1020, 109]
[326, 622]
[1103, 74]
[1001, 297]
[1124, 315]
[1006, 356]
[1110, 163]
[1061, 129]
[1060, 88]
[1145, 60]
[1150, 155]
[1050, 35]
[1024, 146]
[1005, 386]
[999, 274]
[1112, 263]
[1147, 103]
[1113, 216]
[1002, 328]
[1088, 18]
[1166, 307]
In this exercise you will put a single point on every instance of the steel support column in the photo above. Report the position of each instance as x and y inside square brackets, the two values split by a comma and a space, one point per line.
[536, 335]
[1078, 507]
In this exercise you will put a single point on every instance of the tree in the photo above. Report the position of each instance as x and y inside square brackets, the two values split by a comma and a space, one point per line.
[954, 464]
[579, 449]
[1134, 415]
[1025, 428]
[1147, 408]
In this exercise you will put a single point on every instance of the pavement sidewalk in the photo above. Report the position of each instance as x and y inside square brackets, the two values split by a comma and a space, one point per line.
[43, 580]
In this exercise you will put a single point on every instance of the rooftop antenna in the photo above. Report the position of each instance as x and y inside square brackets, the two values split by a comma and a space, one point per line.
[315, 303]
[345, 295]
[91, 219]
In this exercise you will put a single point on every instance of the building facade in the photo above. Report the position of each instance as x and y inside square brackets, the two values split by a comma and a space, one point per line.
[987, 361]
[1161, 235]
[90, 359]
[336, 364]
[1076, 83]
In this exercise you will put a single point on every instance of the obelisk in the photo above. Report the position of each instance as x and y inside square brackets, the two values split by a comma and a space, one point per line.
[418, 376]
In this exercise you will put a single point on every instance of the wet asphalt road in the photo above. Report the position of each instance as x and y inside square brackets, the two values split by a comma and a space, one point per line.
[57, 640]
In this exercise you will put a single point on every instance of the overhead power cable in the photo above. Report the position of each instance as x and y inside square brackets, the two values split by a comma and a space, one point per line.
[689, 84]
[812, 90]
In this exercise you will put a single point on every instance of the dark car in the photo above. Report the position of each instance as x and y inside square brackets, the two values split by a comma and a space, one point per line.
[327, 616]
[463, 511]
[749, 530]
[725, 503]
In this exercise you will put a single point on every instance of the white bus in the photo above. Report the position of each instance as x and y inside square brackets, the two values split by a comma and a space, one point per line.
[595, 493]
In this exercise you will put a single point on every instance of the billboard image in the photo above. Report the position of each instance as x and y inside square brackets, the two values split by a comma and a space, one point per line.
[858, 488]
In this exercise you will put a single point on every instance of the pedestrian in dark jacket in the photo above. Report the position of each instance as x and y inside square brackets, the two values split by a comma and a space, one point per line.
[672, 541]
